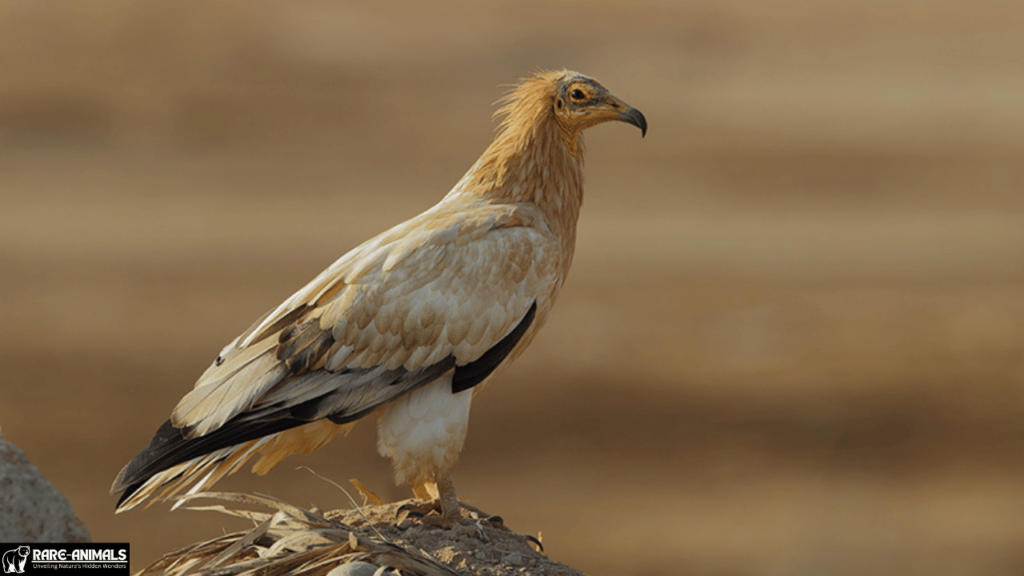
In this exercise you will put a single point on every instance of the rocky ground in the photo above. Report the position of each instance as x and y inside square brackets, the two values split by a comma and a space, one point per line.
[291, 540]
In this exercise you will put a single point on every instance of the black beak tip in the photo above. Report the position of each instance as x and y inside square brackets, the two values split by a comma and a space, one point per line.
[636, 118]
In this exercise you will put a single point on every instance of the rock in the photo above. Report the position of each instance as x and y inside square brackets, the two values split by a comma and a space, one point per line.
[512, 559]
[31, 509]
[354, 569]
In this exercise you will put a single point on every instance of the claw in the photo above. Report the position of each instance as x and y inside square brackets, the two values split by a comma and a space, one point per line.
[540, 547]
[411, 510]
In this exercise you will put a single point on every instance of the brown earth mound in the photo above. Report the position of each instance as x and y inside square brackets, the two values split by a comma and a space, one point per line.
[291, 540]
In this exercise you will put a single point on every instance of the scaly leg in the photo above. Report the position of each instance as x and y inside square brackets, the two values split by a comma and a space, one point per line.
[437, 496]
[451, 509]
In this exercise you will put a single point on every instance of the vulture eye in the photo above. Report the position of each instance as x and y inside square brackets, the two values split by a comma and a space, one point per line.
[578, 95]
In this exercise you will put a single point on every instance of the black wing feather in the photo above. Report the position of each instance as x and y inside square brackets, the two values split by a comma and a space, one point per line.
[469, 375]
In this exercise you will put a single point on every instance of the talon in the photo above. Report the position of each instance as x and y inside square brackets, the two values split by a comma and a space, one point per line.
[412, 510]
[398, 513]
[540, 547]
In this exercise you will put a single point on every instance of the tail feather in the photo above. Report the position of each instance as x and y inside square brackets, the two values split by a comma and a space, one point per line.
[170, 456]
[169, 448]
[169, 482]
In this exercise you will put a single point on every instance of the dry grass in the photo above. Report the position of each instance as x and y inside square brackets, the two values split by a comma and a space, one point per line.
[288, 539]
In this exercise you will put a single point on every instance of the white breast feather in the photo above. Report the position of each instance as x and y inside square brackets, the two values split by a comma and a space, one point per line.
[423, 431]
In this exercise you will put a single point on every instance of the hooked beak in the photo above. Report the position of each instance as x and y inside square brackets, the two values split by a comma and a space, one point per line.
[636, 118]
[616, 109]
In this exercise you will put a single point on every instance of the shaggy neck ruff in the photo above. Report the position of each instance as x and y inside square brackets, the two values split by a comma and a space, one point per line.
[533, 159]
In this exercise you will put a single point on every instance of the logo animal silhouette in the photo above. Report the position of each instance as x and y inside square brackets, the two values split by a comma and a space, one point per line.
[15, 560]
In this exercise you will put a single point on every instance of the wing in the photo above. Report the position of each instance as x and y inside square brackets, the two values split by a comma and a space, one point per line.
[449, 290]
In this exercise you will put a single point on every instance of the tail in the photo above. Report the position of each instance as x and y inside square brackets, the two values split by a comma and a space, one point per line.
[171, 462]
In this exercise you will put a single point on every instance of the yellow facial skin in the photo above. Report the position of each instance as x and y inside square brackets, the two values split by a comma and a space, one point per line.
[582, 102]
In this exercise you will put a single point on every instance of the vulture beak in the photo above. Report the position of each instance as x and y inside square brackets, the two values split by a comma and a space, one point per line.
[616, 109]
[636, 118]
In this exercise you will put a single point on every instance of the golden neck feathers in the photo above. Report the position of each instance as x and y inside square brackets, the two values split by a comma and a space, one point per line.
[537, 156]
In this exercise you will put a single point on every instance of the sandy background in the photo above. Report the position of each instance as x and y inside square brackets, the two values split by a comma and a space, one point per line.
[793, 339]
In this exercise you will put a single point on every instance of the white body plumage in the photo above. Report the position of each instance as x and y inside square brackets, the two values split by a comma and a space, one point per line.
[424, 431]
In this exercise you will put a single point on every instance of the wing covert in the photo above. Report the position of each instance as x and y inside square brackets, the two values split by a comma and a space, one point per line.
[438, 292]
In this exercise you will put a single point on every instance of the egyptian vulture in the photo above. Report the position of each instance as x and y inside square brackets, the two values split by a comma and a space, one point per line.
[407, 326]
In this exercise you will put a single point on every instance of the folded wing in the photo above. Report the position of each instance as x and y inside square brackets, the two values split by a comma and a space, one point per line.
[449, 290]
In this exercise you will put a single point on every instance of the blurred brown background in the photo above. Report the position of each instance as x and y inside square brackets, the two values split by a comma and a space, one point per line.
[792, 340]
